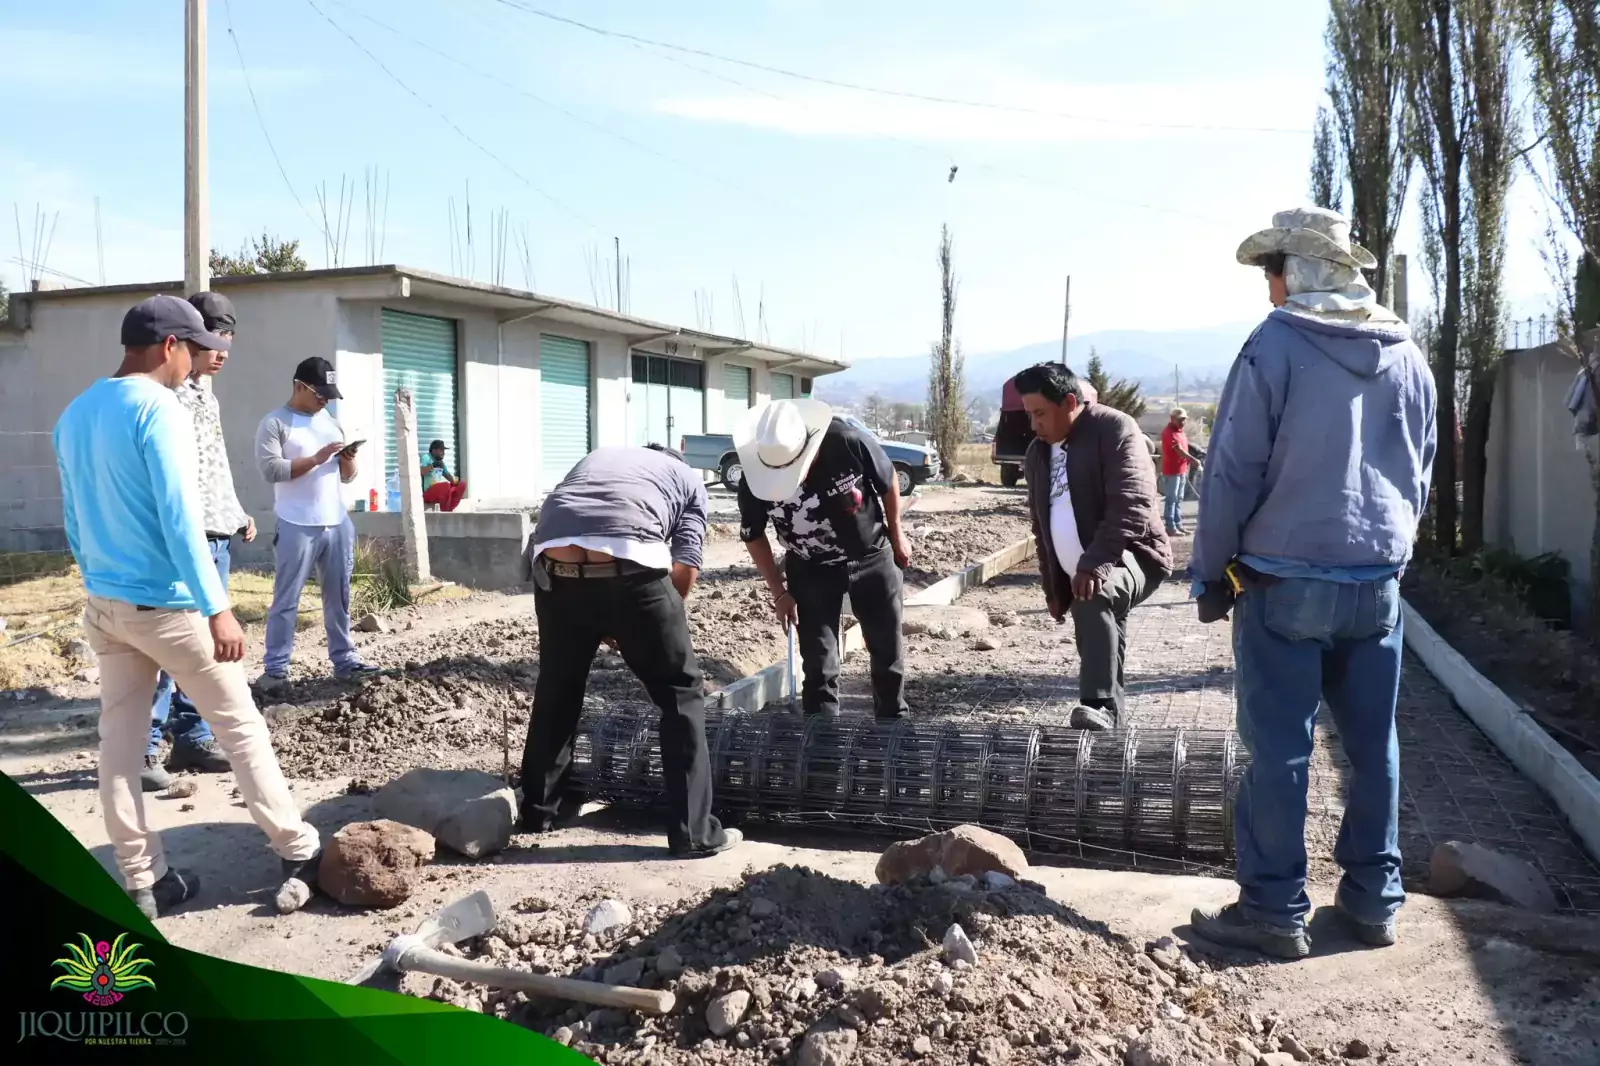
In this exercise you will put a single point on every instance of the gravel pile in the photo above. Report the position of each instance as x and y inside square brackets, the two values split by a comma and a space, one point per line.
[798, 967]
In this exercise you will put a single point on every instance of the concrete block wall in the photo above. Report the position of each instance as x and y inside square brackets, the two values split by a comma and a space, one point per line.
[482, 550]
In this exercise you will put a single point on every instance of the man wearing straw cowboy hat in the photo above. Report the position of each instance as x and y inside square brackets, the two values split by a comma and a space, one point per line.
[1317, 476]
[829, 492]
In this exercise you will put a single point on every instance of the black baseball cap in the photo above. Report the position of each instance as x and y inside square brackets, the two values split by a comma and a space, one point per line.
[320, 375]
[152, 321]
[215, 308]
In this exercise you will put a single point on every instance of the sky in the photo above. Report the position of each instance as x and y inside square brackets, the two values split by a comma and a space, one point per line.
[1130, 146]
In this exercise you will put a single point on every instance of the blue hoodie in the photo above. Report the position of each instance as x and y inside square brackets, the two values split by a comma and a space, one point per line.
[1321, 453]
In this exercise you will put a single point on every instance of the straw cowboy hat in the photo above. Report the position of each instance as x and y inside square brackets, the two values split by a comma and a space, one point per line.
[1311, 232]
[777, 443]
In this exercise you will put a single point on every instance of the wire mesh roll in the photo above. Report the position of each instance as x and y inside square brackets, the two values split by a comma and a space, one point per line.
[1160, 792]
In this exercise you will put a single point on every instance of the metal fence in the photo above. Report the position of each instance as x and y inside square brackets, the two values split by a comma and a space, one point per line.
[1531, 332]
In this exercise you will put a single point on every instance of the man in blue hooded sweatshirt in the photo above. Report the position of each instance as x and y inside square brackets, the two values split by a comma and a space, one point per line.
[1318, 473]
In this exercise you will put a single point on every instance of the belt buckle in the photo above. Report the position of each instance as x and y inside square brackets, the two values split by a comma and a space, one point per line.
[566, 569]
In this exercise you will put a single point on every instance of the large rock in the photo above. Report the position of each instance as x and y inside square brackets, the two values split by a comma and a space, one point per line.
[827, 1044]
[466, 810]
[373, 864]
[1458, 869]
[943, 620]
[966, 849]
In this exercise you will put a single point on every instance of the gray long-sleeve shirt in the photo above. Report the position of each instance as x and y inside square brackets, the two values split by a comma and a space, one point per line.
[628, 493]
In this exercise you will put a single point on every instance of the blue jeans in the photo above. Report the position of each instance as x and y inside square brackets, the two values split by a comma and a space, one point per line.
[173, 712]
[1295, 643]
[297, 551]
[1172, 489]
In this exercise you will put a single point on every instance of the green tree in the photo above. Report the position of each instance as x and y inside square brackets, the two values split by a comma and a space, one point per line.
[263, 255]
[947, 387]
[1327, 184]
[1121, 394]
[5, 303]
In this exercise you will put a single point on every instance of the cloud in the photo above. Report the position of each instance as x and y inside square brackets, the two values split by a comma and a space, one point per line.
[1101, 111]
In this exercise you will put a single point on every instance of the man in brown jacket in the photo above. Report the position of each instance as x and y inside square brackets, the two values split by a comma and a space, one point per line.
[1102, 548]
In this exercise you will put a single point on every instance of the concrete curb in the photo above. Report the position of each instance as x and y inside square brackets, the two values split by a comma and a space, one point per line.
[1522, 740]
[772, 683]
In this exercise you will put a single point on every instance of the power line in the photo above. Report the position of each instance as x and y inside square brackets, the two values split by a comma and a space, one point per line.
[261, 121]
[463, 134]
[902, 94]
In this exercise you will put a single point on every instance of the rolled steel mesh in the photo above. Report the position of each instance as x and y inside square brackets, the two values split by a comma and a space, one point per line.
[1152, 792]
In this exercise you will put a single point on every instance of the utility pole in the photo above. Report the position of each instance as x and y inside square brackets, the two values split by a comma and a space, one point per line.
[616, 243]
[196, 220]
[1066, 320]
[1402, 291]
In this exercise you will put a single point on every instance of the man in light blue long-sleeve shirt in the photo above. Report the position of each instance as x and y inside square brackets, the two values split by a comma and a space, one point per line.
[131, 508]
[1315, 482]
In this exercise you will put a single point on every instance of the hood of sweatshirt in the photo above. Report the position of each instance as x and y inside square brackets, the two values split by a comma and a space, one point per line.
[1363, 349]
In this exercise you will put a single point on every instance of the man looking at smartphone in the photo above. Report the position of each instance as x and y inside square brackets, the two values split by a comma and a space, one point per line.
[296, 449]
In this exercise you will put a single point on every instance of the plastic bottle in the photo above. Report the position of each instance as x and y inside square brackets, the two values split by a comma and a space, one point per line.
[372, 500]
[393, 488]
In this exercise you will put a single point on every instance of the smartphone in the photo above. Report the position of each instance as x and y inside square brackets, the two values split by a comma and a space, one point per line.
[350, 449]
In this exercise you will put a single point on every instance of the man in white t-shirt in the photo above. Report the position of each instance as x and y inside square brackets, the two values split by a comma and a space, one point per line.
[296, 448]
[1102, 546]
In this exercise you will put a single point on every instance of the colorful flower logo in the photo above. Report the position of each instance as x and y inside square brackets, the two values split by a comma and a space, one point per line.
[103, 972]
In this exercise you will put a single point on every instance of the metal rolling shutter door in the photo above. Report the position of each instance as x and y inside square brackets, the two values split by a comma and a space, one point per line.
[563, 407]
[783, 386]
[419, 353]
[736, 394]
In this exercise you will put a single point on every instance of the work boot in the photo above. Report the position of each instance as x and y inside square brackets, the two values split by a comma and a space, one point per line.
[204, 756]
[1228, 927]
[299, 881]
[723, 840]
[1093, 719]
[175, 887]
[154, 776]
[272, 681]
[1373, 934]
[355, 670]
[567, 813]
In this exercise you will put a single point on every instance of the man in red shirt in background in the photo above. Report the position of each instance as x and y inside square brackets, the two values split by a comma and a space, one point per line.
[1175, 460]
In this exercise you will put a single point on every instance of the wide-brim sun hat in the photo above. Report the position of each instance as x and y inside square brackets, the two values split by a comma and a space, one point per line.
[777, 443]
[1310, 232]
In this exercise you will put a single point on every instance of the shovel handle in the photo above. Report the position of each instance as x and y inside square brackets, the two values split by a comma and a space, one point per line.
[643, 1000]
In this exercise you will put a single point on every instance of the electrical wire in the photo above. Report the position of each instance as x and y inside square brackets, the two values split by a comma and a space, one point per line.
[448, 121]
[261, 121]
[902, 94]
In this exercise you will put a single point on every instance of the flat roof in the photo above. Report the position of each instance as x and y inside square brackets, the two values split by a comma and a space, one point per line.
[482, 294]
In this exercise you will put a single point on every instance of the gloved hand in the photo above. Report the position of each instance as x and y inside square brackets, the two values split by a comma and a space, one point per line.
[1214, 602]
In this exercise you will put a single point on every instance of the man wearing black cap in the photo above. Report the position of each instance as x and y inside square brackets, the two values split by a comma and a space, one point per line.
[132, 514]
[193, 746]
[295, 449]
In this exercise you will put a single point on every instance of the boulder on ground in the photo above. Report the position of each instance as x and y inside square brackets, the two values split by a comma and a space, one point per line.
[1458, 869]
[467, 811]
[966, 849]
[373, 864]
[371, 623]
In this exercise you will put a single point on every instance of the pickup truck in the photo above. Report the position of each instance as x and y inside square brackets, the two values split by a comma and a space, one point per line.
[1014, 433]
[913, 464]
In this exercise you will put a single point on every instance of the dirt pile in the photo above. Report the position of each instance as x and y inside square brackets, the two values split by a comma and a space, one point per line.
[796, 966]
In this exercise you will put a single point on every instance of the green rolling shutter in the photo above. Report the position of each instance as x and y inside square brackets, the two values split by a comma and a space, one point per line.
[563, 407]
[419, 353]
[783, 386]
[736, 393]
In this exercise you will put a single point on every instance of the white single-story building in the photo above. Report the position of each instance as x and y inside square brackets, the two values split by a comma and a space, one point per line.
[519, 386]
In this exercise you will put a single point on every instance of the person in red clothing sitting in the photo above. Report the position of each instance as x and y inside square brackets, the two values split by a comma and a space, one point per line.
[1175, 460]
[438, 487]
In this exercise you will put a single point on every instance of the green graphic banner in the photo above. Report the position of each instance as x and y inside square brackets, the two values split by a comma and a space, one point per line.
[93, 981]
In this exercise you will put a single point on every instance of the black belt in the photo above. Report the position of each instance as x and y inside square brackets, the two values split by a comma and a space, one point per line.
[613, 569]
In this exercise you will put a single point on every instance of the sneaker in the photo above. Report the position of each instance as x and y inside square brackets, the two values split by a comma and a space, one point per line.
[204, 756]
[271, 680]
[727, 839]
[299, 882]
[356, 669]
[154, 776]
[1094, 719]
[175, 887]
[1373, 934]
[1226, 926]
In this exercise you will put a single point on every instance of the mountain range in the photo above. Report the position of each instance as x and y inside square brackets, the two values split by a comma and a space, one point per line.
[1147, 356]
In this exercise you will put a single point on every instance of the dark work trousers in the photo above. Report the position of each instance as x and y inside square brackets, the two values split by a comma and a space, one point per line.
[1102, 631]
[874, 584]
[643, 612]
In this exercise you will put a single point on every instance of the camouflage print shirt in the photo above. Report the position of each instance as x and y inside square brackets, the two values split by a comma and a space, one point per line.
[224, 515]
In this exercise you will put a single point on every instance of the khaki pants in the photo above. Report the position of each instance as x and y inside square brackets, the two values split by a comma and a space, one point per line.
[134, 646]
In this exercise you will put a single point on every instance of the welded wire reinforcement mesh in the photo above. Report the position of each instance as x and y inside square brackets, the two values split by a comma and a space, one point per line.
[1164, 793]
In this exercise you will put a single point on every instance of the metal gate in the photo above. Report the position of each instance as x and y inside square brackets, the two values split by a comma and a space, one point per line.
[419, 353]
[669, 399]
[564, 376]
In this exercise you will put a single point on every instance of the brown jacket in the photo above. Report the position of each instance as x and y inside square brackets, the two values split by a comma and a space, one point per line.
[1113, 486]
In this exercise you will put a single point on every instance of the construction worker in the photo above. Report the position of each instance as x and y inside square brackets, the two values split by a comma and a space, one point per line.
[616, 552]
[193, 746]
[131, 507]
[1101, 545]
[1175, 461]
[296, 446]
[830, 494]
[1314, 484]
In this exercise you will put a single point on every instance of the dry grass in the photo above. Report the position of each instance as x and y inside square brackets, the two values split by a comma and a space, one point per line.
[973, 461]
